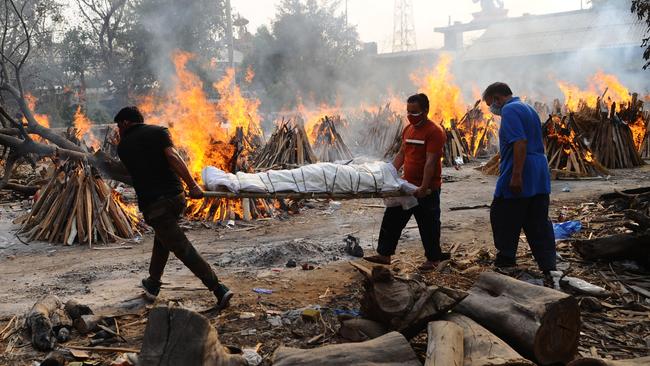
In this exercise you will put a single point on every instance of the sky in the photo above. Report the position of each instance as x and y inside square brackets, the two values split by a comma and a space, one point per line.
[374, 18]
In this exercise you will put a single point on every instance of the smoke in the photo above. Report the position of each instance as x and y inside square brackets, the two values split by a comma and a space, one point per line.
[533, 52]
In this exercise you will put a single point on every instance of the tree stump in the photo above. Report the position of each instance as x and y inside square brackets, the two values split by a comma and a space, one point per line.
[445, 344]
[405, 305]
[359, 330]
[176, 336]
[482, 348]
[39, 323]
[541, 323]
[391, 349]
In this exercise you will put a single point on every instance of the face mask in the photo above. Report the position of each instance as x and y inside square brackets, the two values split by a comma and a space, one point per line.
[415, 118]
[495, 110]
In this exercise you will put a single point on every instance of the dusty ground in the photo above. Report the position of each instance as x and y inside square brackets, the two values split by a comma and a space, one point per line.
[253, 256]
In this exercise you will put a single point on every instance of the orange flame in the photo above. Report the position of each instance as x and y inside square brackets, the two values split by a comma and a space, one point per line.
[639, 131]
[42, 119]
[597, 84]
[445, 97]
[202, 129]
[193, 121]
[83, 124]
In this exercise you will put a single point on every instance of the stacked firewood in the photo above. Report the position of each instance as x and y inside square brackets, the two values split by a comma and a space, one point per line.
[380, 132]
[77, 205]
[566, 151]
[612, 138]
[644, 151]
[479, 131]
[287, 147]
[456, 151]
[329, 145]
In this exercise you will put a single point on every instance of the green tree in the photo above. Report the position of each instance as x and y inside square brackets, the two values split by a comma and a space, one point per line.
[305, 52]
[642, 9]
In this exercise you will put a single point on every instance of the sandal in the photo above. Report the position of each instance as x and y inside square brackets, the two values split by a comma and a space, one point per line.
[428, 266]
[379, 259]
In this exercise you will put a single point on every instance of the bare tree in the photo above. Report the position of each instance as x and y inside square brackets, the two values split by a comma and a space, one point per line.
[106, 20]
[17, 25]
[642, 10]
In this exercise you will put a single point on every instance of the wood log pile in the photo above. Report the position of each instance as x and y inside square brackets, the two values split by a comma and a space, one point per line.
[380, 132]
[288, 147]
[479, 131]
[630, 212]
[500, 321]
[616, 130]
[77, 205]
[329, 145]
[456, 150]
[566, 151]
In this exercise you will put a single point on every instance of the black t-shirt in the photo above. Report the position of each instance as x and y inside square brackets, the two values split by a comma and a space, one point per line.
[142, 150]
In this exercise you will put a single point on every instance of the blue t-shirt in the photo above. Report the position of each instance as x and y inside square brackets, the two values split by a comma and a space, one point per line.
[520, 121]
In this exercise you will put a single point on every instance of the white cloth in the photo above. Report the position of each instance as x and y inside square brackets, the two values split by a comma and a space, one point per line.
[371, 177]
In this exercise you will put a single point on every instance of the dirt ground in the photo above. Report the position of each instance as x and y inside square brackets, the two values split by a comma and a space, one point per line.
[253, 255]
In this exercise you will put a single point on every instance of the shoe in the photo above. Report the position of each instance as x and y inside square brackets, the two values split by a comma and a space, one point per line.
[429, 266]
[504, 263]
[223, 295]
[151, 288]
[379, 259]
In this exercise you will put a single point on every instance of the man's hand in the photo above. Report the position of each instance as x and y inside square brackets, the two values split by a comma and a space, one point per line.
[516, 184]
[196, 192]
[421, 192]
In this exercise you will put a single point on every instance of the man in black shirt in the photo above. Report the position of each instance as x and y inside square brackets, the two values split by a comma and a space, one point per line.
[156, 168]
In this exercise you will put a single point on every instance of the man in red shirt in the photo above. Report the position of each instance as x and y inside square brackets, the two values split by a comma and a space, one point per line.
[421, 156]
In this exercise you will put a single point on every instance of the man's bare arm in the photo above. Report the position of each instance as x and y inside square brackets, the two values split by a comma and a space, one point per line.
[399, 159]
[429, 167]
[180, 168]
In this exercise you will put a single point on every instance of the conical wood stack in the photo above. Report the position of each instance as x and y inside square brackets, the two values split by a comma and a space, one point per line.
[76, 205]
[329, 145]
[613, 143]
[379, 132]
[566, 152]
[287, 147]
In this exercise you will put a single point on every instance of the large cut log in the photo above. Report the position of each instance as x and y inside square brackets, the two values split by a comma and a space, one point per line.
[359, 330]
[405, 305]
[391, 349]
[445, 344]
[482, 348]
[616, 247]
[643, 361]
[39, 324]
[540, 323]
[176, 336]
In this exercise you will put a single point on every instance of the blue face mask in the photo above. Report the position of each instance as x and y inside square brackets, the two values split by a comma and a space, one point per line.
[495, 110]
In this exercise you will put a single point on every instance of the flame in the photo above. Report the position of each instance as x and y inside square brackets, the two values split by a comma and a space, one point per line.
[130, 209]
[83, 124]
[193, 121]
[202, 129]
[312, 117]
[235, 110]
[597, 84]
[639, 131]
[250, 75]
[444, 95]
[42, 119]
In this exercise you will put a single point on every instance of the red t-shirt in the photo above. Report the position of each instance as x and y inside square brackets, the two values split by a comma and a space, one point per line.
[417, 142]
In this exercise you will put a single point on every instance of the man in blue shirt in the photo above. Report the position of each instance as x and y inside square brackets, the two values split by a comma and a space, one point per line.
[521, 198]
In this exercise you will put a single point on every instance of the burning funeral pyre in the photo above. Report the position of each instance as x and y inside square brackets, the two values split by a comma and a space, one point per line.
[613, 120]
[77, 205]
[224, 134]
[469, 132]
[566, 152]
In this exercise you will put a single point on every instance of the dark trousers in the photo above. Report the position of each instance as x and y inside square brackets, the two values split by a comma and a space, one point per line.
[427, 215]
[509, 215]
[163, 216]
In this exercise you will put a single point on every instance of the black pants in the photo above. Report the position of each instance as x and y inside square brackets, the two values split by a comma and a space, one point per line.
[163, 216]
[427, 215]
[509, 215]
